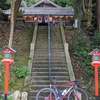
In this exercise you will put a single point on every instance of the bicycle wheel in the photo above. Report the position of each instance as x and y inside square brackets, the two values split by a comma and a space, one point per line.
[78, 94]
[46, 94]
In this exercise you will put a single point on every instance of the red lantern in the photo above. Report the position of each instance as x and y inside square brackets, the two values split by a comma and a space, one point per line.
[7, 61]
[96, 63]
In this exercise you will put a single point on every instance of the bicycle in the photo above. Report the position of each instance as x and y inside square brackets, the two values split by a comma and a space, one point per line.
[72, 92]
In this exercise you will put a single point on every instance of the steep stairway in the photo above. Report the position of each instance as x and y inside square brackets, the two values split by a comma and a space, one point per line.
[40, 70]
[58, 62]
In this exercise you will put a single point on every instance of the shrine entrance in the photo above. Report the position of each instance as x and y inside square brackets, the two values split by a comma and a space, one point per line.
[42, 9]
[43, 19]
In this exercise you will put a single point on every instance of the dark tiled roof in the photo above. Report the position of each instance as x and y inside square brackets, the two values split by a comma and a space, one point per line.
[55, 10]
[52, 11]
[45, 11]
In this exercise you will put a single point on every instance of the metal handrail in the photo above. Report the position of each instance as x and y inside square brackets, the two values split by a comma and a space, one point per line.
[49, 52]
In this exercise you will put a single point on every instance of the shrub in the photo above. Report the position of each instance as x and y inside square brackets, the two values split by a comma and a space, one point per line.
[9, 98]
[81, 49]
[20, 13]
[96, 41]
[21, 72]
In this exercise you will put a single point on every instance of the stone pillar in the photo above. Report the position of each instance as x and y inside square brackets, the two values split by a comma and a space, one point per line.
[24, 96]
[17, 95]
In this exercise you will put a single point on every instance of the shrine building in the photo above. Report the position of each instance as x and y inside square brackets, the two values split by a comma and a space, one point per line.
[44, 10]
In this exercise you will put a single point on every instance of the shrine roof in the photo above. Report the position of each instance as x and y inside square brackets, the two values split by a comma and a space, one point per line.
[45, 7]
[45, 11]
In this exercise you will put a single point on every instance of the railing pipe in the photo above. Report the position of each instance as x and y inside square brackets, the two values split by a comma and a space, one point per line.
[49, 52]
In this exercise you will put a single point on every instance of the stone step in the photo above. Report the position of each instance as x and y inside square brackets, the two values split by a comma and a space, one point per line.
[61, 65]
[52, 53]
[46, 50]
[51, 35]
[42, 41]
[52, 56]
[57, 69]
[34, 98]
[46, 62]
[54, 67]
[34, 84]
[53, 62]
[42, 38]
[51, 45]
[41, 47]
[46, 58]
[41, 58]
[53, 72]
[43, 85]
[46, 67]
[40, 86]
[46, 78]
[45, 44]
[59, 48]
[38, 73]
[55, 35]
[46, 84]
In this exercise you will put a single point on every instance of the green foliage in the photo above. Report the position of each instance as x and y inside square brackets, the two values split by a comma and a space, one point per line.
[9, 98]
[94, 14]
[21, 72]
[3, 1]
[1, 77]
[4, 4]
[81, 50]
[96, 40]
[64, 3]
[28, 2]
[20, 13]
[21, 44]
[24, 3]
[61, 2]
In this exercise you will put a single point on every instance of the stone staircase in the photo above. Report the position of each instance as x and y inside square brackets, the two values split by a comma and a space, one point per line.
[40, 70]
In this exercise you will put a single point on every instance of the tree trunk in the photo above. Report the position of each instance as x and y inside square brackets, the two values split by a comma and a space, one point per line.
[89, 13]
[16, 9]
[83, 4]
[98, 14]
[11, 23]
[78, 16]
